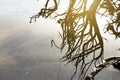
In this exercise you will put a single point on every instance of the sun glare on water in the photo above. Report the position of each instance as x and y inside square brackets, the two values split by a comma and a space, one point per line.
[62, 7]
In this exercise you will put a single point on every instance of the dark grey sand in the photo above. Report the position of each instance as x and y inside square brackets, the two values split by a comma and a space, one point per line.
[26, 53]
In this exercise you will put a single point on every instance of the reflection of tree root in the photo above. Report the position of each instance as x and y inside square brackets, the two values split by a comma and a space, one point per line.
[81, 36]
[45, 12]
[115, 61]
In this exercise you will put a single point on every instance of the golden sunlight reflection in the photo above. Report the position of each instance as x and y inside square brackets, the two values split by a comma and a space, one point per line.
[89, 2]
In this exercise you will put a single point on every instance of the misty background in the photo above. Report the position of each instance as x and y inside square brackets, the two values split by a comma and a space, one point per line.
[25, 49]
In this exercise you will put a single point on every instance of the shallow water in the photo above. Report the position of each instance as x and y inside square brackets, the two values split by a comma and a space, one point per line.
[26, 53]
